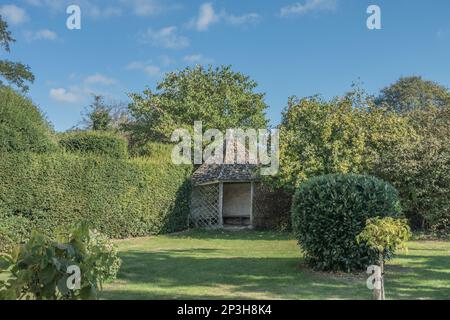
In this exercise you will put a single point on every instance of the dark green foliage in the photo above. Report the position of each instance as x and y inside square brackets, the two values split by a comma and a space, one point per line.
[413, 93]
[6, 37]
[98, 116]
[420, 172]
[22, 126]
[40, 269]
[120, 198]
[95, 142]
[13, 72]
[328, 213]
[272, 208]
[16, 73]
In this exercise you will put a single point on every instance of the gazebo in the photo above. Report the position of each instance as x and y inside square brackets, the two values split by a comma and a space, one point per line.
[233, 195]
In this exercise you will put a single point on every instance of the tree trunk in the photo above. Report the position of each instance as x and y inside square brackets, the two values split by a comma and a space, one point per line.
[383, 297]
[378, 293]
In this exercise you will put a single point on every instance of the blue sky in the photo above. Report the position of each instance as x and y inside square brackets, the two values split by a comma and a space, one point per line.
[289, 47]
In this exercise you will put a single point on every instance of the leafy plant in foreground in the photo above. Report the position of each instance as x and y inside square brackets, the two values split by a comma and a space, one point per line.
[40, 269]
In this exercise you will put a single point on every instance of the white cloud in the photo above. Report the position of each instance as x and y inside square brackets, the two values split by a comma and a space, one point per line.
[145, 8]
[207, 16]
[308, 6]
[44, 34]
[135, 65]
[13, 14]
[249, 18]
[150, 69]
[88, 7]
[62, 95]
[197, 59]
[99, 79]
[53, 5]
[165, 37]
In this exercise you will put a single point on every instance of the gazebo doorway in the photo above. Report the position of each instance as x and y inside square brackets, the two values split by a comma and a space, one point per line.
[237, 204]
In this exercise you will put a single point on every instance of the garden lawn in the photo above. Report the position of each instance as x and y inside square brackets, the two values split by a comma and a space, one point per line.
[263, 265]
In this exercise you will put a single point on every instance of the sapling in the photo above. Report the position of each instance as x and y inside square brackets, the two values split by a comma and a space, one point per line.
[385, 235]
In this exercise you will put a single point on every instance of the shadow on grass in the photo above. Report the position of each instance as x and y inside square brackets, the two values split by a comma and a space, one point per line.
[420, 277]
[184, 276]
[213, 273]
[205, 234]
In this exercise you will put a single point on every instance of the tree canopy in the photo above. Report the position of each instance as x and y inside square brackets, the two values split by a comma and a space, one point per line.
[14, 73]
[413, 93]
[343, 135]
[98, 116]
[219, 97]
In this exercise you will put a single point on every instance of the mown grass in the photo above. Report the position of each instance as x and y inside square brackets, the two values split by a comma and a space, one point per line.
[263, 265]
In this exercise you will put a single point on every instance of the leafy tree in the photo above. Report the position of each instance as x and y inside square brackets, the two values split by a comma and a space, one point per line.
[343, 135]
[98, 116]
[420, 172]
[219, 97]
[420, 169]
[412, 93]
[13, 72]
[385, 236]
[432, 122]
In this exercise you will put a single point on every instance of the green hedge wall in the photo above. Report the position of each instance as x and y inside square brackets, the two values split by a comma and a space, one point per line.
[95, 142]
[22, 126]
[121, 198]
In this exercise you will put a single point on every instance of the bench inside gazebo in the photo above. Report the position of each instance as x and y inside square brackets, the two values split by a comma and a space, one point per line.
[223, 195]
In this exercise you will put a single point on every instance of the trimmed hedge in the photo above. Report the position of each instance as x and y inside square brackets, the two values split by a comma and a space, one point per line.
[95, 142]
[120, 198]
[328, 213]
[22, 126]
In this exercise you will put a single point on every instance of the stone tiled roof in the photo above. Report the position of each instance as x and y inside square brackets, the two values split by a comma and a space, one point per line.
[208, 173]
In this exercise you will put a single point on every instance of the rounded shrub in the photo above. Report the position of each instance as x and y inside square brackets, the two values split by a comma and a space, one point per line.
[95, 142]
[328, 213]
[22, 125]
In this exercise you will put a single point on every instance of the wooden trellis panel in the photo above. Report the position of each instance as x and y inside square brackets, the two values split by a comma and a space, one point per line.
[205, 206]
